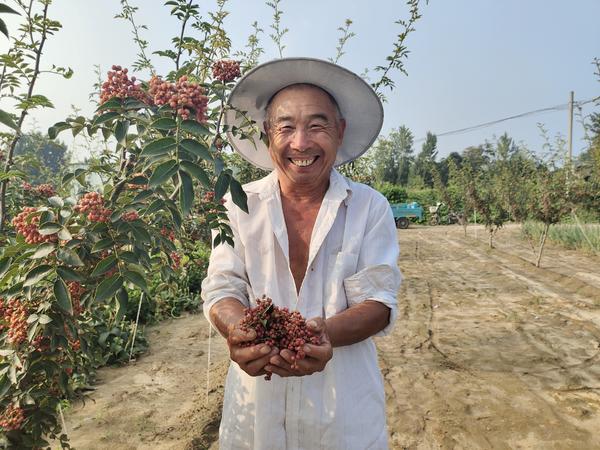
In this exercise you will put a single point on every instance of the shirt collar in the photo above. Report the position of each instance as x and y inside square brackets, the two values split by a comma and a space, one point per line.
[339, 188]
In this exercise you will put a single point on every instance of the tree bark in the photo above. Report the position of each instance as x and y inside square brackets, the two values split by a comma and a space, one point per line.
[542, 242]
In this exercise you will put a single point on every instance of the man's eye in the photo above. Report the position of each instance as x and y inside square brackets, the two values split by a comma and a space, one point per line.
[317, 126]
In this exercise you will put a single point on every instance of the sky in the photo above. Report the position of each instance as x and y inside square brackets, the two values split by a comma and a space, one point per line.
[470, 61]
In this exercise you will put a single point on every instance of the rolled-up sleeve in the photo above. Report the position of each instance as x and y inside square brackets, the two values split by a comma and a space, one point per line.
[378, 277]
[226, 275]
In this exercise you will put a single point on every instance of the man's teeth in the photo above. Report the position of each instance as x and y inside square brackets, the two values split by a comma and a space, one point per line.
[303, 162]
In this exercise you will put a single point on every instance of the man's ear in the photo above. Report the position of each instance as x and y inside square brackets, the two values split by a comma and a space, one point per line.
[265, 136]
[341, 129]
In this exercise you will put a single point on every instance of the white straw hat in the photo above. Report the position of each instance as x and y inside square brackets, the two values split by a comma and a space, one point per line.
[358, 103]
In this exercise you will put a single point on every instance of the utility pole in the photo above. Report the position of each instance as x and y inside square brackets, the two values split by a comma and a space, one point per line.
[570, 143]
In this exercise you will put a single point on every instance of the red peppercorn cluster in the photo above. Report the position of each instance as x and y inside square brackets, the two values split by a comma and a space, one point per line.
[175, 260]
[76, 290]
[41, 343]
[28, 226]
[169, 234]
[45, 190]
[12, 418]
[92, 203]
[226, 70]
[26, 186]
[14, 317]
[278, 327]
[120, 85]
[184, 97]
[130, 216]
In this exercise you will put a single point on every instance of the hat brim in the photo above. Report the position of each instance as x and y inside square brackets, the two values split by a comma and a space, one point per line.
[358, 103]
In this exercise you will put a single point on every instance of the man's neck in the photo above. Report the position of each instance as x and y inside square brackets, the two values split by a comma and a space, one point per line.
[309, 193]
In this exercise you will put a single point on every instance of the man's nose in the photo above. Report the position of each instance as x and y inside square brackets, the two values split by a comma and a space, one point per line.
[300, 140]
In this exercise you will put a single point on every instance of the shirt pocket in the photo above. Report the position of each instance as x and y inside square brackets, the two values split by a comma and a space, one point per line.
[339, 266]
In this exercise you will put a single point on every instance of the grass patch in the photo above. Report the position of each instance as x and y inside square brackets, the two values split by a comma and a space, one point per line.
[572, 236]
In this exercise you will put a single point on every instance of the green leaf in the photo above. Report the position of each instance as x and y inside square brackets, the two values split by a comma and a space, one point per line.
[129, 257]
[137, 279]
[193, 127]
[4, 265]
[37, 274]
[5, 9]
[104, 266]
[164, 124]
[105, 117]
[49, 228]
[69, 257]
[35, 101]
[142, 196]
[163, 173]
[159, 147]
[156, 205]
[6, 119]
[113, 103]
[65, 234]
[68, 274]
[108, 287]
[56, 201]
[141, 234]
[43, 251]
[3, 28]
[197, 172]
[44, 319]
[196, 148]
[186, 193]
[123, 299]
[238, 195]
[221, 185]
[102, 244]
[121, 131]
[62, 295]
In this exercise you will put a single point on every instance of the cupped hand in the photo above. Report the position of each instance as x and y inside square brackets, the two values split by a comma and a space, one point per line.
[251, 359]
[285, 364]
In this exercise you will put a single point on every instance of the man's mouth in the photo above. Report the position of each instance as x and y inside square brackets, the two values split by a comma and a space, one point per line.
[304, 162]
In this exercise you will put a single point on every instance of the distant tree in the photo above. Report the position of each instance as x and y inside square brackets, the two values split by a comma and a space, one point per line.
[392, 157]
[425, 162]
[443, 166]
[42, 159]
[477, 158]
[402, 142]
[243, 171]
[551, 200]
[360, 170]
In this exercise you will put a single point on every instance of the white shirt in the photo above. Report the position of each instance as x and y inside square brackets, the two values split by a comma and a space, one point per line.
[352, 257]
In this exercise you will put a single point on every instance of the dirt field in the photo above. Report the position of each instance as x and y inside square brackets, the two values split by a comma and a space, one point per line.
[489, 352]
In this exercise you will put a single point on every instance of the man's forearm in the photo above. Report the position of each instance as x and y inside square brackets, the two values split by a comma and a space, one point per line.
[225, 313]
[357, 323]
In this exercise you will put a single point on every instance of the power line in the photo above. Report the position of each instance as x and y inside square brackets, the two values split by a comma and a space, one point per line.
[516, 116]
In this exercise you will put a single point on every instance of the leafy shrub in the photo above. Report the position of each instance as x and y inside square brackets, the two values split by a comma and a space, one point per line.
[393, 192]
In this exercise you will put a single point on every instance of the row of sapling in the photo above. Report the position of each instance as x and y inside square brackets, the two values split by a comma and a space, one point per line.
[511, 184]
[79, 249]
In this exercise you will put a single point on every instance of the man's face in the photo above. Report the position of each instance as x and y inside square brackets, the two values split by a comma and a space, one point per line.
[304, 135]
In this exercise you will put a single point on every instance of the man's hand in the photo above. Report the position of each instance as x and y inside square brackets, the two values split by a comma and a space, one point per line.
[284, 364]
[252, 359]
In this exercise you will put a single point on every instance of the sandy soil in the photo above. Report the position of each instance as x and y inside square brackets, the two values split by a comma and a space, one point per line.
[489, 352]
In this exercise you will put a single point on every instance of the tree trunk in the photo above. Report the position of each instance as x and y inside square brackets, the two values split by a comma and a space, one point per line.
[542, 242]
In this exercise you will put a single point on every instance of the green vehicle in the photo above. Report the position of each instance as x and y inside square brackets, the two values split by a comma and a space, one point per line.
[403, 212]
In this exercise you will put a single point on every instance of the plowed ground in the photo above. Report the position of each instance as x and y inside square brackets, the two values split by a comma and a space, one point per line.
[489, 352]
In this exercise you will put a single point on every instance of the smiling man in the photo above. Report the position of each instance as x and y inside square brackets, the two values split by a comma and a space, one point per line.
[315, 242]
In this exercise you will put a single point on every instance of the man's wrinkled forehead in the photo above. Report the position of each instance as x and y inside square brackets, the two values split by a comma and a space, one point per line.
[302, 86]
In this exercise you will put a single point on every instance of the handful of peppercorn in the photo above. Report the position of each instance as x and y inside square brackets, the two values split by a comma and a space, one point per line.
[278, 327]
